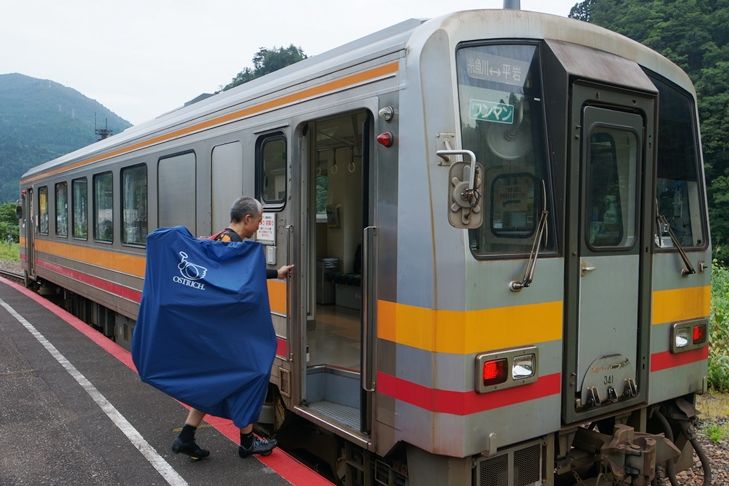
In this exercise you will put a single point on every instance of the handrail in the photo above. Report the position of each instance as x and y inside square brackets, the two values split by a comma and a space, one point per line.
[367, 380]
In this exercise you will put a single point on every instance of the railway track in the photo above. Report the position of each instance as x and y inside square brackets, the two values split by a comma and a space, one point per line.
[12, 276]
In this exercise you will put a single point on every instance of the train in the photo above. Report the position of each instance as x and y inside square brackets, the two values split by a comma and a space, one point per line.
[498, 220]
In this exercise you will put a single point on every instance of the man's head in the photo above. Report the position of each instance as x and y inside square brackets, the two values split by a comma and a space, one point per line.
[245, 216]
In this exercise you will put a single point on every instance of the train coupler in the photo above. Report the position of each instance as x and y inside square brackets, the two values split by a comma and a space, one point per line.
[629, 456]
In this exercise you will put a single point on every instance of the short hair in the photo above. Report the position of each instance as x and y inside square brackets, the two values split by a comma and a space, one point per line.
[245, 205]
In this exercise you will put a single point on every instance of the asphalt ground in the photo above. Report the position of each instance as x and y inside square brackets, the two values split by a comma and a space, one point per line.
[91, 421]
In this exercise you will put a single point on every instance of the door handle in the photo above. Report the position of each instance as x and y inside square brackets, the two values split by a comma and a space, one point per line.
[585, 268]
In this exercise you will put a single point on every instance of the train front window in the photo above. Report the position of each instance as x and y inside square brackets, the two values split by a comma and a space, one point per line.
[678, 185]
[502, 113]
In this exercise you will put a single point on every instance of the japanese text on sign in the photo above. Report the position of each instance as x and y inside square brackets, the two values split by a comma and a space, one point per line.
[491, 111]
[266, 233]
[497, 68]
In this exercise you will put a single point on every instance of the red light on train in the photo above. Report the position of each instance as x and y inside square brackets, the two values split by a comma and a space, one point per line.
[494, 372]
[699, 334]
[386, 139]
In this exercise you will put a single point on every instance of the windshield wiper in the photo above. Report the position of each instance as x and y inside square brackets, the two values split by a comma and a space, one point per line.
[528, 277]
[665, 227]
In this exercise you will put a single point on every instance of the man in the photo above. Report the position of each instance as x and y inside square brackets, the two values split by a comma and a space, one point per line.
[245, 216]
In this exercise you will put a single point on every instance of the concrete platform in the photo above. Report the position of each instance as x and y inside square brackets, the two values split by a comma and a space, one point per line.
[58, 426]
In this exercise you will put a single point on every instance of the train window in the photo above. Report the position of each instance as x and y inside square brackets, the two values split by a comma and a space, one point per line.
[678, 183]
[513, 212]
[176, 191]
[271, 169]
[43, 210]
[611, 188]
[134, 204]
[501, 111]
[227, 181]
[79, 203]
[62, 209]
[104, 207]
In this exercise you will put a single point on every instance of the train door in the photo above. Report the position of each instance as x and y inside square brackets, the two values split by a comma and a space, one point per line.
[608, 267]
[337, 240]
[29, 225]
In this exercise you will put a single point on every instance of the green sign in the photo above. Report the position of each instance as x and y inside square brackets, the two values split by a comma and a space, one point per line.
[491, 111]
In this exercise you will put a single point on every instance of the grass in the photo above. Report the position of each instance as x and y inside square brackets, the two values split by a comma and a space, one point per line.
[10, 252]
[719, 333]
[716, 432]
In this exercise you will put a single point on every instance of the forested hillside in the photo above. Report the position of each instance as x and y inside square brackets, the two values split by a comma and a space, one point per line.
[41, 120]
[695, 35]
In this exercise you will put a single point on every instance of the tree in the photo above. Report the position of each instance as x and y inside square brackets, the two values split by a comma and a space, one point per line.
[8, 223]
[695, 35]
[267, 61]
[582, 11]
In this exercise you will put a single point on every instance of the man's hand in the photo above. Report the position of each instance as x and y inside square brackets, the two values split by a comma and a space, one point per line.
[285, 271]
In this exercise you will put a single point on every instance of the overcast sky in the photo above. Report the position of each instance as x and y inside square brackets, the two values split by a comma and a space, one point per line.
[141, 58]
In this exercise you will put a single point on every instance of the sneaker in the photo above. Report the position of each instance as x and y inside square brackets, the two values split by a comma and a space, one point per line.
[260, 446]
[189, 448]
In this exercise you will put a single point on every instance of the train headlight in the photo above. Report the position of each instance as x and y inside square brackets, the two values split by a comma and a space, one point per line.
[689, 335]
[523, 366]
[681, 339]
[506, 368]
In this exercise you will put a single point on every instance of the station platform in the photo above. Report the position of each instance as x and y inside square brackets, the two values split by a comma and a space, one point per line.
[73, 411]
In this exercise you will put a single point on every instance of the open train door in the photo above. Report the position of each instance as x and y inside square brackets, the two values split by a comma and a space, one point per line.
[335, 280]
[608, 257]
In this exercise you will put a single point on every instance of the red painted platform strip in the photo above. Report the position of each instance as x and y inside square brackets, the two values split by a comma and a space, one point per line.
[283, 464]
[667, 359]
[465, 403]
[111, 287]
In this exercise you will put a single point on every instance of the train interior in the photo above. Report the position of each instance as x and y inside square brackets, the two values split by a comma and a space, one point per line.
[336, 219]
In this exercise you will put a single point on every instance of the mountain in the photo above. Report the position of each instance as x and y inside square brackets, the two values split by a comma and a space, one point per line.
[41, 120]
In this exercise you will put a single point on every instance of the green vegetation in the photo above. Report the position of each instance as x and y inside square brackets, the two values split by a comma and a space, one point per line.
[719, 334]
[267, 61]
[41, 120]
[8, 223]
[716, 432]
[695, 35]
[10, 252]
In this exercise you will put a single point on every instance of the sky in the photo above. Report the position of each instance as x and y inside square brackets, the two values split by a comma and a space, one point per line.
[142, 58]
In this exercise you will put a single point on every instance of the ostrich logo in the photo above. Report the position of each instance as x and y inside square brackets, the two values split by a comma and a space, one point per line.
[190, 270]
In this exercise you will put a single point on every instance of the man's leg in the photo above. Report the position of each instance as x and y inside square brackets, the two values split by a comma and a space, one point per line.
[185, 442]
[250, 444]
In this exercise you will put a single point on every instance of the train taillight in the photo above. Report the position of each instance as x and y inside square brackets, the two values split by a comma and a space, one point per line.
[494, 372]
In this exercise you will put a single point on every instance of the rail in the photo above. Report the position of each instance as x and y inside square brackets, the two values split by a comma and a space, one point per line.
[12, 276]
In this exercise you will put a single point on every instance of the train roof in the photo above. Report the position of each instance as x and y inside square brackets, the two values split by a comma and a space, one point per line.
[411, 34]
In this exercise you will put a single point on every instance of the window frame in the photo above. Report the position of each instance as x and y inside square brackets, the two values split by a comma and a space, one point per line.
[589, 196]
[261, 142]
[95, 208]
[73, 208]
[39, 228]
[553, 221]
[122, 194]
[56, 211]
[699, 166]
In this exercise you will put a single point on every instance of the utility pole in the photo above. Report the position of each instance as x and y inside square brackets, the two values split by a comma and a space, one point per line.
[102, 133]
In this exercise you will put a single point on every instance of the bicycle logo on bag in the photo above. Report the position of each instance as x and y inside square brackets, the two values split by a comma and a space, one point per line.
[190, 272]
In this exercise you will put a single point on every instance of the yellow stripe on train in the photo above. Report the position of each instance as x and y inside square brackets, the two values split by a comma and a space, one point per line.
[680, 304]
[467, 332]
[112, 260]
